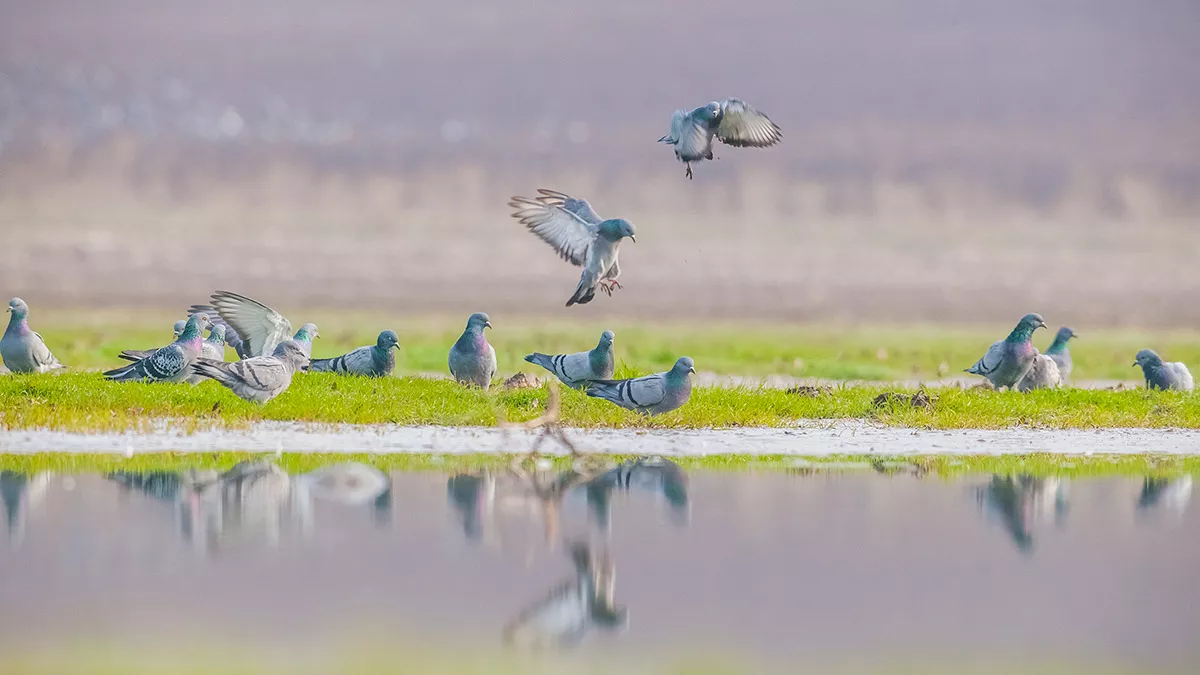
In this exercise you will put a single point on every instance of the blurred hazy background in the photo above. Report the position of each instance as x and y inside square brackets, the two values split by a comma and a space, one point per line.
[942, 160]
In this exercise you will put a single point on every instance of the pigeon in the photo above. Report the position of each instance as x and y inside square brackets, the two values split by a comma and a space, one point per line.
[178, 328]
[23, 350]
[1007, 361]
[171, 363]
[652, 394]
[579, 235]
[578, 369]
[258, 378]
[260, 326]
[232, 338]
[1043, 374]
[472, 359]
[1160, 375]
[1059, 352]
[376, 360]
[732, 121]
[564, 616]
[212, 348]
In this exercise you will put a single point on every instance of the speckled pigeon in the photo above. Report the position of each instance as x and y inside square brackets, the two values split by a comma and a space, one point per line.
[171, 363]
[652, 394]
[472, 359]
[1163, 375]
[212, 348]
[1043, 374]
[579, 235]
[23, 350]
[375, 360]
[258, 378]
[232, 338]
[1059, 352]
[1007, 361]
[732, 121]
[262, 327]
[581, 367]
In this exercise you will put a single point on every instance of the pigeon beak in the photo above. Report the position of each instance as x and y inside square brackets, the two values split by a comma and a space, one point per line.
[397, 346]
[1135, 364]
[692, 371]
[633, 238]
[487, 324]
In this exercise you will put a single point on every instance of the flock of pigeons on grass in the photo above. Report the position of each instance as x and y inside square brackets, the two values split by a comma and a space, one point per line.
[270, 354]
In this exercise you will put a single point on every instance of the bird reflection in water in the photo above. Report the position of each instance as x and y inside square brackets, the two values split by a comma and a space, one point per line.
[564, 616]
[1021, 503]
[21, 493]
[256, 501]
[1169, 495]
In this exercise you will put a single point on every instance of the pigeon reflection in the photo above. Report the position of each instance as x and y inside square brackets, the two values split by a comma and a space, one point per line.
[21, 492]
[565, 615]
[1021, 502]
[257, 501]
[1170, 495]
[476, 496]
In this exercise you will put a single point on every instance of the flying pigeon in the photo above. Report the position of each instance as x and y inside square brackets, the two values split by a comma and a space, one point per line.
[376, 360]
[581, 367]
[1160, 375]
[258, 378]
[171, 363]
[652, 394]
[23, 350]
[1043, 374]
[260, 326]
[579, 235]
[1007, 361]
[472, 359]
[1059, 352]
[732, 121]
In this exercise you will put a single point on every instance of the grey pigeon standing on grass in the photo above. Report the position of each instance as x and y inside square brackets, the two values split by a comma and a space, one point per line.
[22, 349]
[652, 394]
[235, 341]
[1059, 352]
[171, 363]
[376, 360]
[258, 378]
[581, 367]
[1162, 375]
[732, 121]
[1007, 361]
[1043, 374]
[579, 235]
[260, 326]
[472, 359]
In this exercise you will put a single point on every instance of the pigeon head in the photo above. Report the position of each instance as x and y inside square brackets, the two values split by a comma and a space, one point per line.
[710, 112]
[615, 229]
[1060, 340]
[18, 308]
[217, 333]
[606, 338]
[478, 321]
[290, 352]
[178, 327]
[195, 326]
[1025, 328]
[684, 366]
[1147, 358]
[308, 332]
[387, 340]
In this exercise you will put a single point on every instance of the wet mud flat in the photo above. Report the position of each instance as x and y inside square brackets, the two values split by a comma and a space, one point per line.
[813, 438]
[632, 566]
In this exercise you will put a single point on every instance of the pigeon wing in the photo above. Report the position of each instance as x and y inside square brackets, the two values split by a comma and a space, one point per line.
[990, 361]
[254, 322]
[743, 126]
[554, 218]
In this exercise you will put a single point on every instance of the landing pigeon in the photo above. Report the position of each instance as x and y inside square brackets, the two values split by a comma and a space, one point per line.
[1007, 361]
[581, 367]
[23, 350]
[652, 394]
[579, 235]
[472, 359]
[376, 360]
[732, 121]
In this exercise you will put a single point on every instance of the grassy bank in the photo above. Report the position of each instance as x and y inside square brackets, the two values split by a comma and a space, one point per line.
[92, 340]
[85, 402]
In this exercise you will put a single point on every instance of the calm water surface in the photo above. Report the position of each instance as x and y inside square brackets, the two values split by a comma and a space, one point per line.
[620, 562]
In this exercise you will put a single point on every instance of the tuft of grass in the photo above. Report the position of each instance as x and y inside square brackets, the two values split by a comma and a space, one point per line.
[91, 340]
[943, 466]
[86, 402]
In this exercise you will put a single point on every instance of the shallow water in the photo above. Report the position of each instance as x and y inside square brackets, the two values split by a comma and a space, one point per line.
[635, 565]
